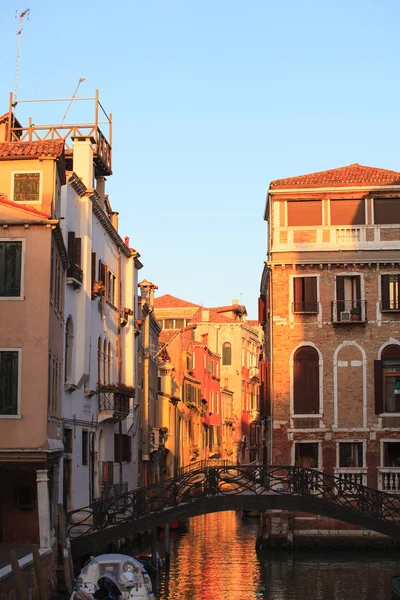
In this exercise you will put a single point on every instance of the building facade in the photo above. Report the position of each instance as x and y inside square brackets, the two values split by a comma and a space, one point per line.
[331, 286]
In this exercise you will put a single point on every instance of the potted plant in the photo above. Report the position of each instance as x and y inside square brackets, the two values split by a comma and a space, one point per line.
[313, 463]
[355, 314]
[98, 289]
[350, 461]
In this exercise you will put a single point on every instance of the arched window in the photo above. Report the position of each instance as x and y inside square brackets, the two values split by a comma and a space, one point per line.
[69, 339]
[226, 353]
[389, 379]
[105, 361]
[109, 363]
[306, 381]
[99, 362]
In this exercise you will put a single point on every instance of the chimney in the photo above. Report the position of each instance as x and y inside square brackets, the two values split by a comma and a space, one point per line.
[147, 291]
[83, 159]
[114, 220]
[205, 314]
[101, 188]
[235, 301]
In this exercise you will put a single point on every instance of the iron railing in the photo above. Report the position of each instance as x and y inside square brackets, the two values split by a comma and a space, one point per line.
[211, 488]
[75, 272]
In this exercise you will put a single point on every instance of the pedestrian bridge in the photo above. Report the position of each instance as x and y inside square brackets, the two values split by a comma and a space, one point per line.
[208, 489]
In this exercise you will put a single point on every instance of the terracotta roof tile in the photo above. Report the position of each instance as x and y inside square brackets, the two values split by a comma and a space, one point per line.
[50, 148]
[351, 175]
[168, 301]
[213, 317]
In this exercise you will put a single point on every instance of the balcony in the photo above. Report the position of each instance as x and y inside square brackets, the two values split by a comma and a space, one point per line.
[389, 479]
[254, 373]
[254, 415]
[124, 315]
[349, 312]
[350, 478]
[74, 276]
[114, 402]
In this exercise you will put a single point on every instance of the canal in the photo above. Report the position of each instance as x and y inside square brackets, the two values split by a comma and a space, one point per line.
[215, 559]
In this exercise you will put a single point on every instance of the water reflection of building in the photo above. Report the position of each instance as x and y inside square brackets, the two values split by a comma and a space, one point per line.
[333, 280]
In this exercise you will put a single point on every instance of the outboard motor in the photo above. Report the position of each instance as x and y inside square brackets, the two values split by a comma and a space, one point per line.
[108, 589]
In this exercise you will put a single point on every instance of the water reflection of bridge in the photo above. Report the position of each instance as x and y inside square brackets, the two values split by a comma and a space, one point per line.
[235, 487]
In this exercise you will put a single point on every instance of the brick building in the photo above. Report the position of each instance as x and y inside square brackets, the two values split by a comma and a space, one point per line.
[331, 285]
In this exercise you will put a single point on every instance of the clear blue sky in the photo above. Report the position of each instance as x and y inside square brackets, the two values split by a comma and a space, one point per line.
[211, 100]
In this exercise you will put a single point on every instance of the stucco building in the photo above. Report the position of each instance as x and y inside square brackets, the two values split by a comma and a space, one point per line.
[331, 286]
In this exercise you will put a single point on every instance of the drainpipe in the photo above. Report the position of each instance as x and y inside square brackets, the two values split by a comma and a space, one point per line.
[119, 357]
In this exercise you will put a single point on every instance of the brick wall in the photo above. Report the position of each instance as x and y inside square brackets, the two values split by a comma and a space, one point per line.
[7, 590]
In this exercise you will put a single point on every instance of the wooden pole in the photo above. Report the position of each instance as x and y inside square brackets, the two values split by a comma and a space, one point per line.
[65, 550]
[167, 549]
[19, 587]
[39, 573]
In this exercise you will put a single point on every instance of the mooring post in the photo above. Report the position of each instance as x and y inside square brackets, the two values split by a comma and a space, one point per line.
[39, 572]
[16, 571]
[154, 547]
[167, 554]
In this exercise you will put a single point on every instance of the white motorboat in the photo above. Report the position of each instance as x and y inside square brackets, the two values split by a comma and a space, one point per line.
[113, 577]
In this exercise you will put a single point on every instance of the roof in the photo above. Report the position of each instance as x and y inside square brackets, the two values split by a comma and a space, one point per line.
[50, 148]
[213, 316]
[168, 301]
[6, 202]
[252, 323]
[232, 308]
[352, 175]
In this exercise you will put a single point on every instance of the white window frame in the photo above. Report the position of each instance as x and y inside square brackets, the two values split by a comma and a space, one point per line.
[364, 453]
[319, 466]
[18, 415]
[22, 290]
[13, 173]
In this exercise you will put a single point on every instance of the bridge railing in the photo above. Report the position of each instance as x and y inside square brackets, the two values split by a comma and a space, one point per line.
[231, 480]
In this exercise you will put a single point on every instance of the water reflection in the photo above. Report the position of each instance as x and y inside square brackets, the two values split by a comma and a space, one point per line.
[215, 559]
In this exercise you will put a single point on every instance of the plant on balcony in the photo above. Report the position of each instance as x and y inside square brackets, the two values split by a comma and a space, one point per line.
[121, 388]
[355, 314]
[98, 289]
[194, 451]
[193, 407]
[350, 461]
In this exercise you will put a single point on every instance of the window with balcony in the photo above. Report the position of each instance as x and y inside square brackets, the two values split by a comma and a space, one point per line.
[390, 292]
[305, 295]
[26, 187]
[10, 269]
[307, 454]
[349, 306]
[226, 354]
[386, 211]
[347, 212]
[74, 272]
[306, 381]
[391, 454]
[9, 365]
[351, 454]
[304, 212]
[387, 381]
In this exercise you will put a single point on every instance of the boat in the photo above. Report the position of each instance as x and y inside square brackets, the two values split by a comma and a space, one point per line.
[113, 577]
[395, 584]
[181, 524]
[146, 558]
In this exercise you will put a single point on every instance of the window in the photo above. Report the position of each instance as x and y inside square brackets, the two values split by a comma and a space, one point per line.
[304, 212]
[306, 381]
[179, 323]
[212, 407]
[347, 212]
[69, 338]
[351, 454]
[387, 381]
[390, 292]
[348, 306]
[307, 455]
[105, 362]
[74, 257]
[391, 454]
[386, 211]
[10, 269]
[226, 353]
[67, 441]
[110, 287]
[168, 323]
[85, 448]
[26, 187]
[211, 366]
[9, 382]
[305, 295]
[122, 447]
[99, 362]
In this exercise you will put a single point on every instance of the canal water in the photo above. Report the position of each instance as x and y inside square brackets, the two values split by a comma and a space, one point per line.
[215, 559]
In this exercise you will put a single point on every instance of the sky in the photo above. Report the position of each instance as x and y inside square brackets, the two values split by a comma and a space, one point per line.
[211, 101]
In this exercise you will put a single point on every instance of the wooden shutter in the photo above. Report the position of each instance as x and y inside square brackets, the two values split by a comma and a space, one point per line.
[385, 292]
[298, 286]
[339, 288]
[94, 264]
[306, 381]
[358, 288]
[71, 248]
[299, 377]
[78, 251]
[310, 293]
[312, 384]
[378, 376]
[261, 309]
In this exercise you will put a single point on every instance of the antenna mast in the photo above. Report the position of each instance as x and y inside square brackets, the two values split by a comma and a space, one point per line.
[73, 96]
[24, 13]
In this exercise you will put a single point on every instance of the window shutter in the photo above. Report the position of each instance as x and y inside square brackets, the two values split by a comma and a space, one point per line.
[310, 293]
[378, 376]
[312, 385]
[262, 309]
[340, 288]
[358, 288]
[94, 264]
[71, 248]
[385, 292]
[78, 251]
[298, 292]
[299, 387]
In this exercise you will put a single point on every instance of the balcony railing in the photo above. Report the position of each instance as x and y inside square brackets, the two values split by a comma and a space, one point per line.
[389, 479]
[350, 478]
[114, 402]
[349, 311]
[74, 275]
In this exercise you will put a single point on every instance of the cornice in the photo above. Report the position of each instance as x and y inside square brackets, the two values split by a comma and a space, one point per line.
[58, 236]
[106, 223]
[77, 184]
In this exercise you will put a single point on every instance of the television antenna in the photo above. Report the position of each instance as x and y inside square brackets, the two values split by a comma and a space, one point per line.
[73, 96]
[22, 15]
